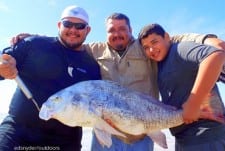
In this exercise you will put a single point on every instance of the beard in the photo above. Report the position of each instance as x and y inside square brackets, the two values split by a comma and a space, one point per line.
[71, 45]
[120, 47]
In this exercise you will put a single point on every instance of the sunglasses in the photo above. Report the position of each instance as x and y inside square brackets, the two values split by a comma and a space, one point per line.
[78, 26]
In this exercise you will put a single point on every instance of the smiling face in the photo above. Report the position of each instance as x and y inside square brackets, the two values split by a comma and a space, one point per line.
[119, 33]
[155, 41]
[156, 47]
[73, 37]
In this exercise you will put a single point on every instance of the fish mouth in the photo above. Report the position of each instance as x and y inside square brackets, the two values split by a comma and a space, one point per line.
[45, 113]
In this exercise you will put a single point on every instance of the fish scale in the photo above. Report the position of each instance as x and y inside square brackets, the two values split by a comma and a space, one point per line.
[109, 107]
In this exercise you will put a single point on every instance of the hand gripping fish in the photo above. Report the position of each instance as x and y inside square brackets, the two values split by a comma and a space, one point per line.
[107, 106]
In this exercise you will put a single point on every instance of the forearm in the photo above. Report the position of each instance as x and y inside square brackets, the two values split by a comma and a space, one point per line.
[198, 38]
[209, 71]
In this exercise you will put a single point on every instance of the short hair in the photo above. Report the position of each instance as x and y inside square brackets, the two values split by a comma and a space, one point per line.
[119, 16]
[151, 29]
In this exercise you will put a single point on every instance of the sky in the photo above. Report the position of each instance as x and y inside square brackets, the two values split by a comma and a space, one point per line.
[41, 17]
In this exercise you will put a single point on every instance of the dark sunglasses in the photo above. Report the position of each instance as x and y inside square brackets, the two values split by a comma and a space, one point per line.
[78, 26]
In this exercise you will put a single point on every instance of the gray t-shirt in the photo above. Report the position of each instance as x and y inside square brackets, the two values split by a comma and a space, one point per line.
[177, 73]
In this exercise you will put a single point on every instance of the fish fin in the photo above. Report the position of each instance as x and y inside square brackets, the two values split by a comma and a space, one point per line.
[103, 125]
[159, 138]
[103, 137]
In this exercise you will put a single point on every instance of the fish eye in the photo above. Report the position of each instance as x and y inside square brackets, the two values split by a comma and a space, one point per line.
[57, 99]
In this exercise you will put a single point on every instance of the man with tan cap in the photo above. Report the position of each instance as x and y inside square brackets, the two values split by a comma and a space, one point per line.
[46, 65]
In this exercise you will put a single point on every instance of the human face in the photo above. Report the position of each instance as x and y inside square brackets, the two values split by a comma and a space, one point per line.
[72, 37]
[119, 33]
[156, 47]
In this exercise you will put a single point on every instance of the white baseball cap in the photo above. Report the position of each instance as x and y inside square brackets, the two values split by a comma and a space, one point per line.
[75, 11]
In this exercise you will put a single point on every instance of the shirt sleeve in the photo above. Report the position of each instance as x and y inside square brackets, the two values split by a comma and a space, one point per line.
[198, 38]
[194, 52]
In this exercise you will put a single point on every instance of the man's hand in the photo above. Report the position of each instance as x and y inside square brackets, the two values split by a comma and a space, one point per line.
[8, 68]
[18, 37]
[191, 112]
[216, 42]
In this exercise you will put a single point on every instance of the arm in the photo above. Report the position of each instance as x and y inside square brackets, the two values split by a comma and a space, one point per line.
[209, 39]
[220, 44]
[19, 37]
[208, 73]
[198, 38]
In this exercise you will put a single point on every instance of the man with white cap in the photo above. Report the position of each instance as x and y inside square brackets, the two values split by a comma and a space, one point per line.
[122, 59]
[46, 65]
